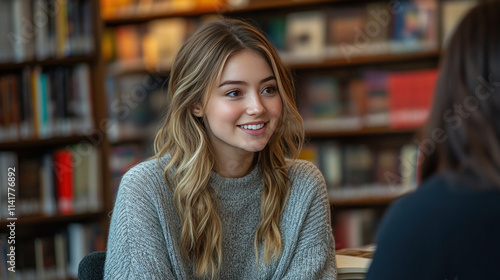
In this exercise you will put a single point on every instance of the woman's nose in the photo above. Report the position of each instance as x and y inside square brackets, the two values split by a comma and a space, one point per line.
[255, 106]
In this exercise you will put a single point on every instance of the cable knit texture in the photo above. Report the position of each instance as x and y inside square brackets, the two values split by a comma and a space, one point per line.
[145, 228]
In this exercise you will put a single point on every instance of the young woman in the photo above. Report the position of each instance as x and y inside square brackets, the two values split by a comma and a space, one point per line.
[450, 227]
[220, 200]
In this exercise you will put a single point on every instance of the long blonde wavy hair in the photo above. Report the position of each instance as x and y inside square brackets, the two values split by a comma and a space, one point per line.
[195, 71]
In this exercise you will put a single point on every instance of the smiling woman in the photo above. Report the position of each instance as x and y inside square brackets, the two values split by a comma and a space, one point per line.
[242, 113]
[219, 199]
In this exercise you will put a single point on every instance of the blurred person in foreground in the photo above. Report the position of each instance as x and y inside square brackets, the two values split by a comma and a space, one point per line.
[450, 227]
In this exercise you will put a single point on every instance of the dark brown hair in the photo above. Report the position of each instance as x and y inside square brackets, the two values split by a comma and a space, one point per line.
[466, 107]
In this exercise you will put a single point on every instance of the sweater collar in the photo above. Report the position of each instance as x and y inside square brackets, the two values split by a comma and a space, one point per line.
[236, 188]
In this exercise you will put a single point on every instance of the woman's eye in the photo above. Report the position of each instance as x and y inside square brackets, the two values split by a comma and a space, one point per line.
[233, 93]
[269, 90]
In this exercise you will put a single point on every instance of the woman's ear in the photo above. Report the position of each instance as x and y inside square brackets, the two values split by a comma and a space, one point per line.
[197, 111]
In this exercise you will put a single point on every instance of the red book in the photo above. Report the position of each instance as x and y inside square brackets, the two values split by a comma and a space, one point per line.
[63, 167]
[410, 98]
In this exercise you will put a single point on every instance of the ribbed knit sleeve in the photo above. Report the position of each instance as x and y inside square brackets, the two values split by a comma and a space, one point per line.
[314, 253]
[136, 244]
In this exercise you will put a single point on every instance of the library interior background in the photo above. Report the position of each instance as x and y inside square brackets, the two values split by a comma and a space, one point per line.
[82, 92]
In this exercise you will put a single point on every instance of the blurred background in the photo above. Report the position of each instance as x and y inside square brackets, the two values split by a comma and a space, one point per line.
[82, 92]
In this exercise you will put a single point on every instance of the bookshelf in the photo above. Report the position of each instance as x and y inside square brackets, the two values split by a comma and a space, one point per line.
[52, 102]
[391, 54]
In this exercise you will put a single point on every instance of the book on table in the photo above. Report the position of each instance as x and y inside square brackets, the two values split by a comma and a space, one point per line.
[353, 263]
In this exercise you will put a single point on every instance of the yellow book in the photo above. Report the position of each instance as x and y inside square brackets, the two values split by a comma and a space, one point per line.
[61, 28]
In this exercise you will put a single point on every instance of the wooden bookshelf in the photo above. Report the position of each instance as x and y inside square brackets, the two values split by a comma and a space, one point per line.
[401, 60]
[64, 61]
[71, 57]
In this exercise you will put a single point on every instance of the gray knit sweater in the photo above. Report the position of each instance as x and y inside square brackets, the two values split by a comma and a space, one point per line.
[145, 228]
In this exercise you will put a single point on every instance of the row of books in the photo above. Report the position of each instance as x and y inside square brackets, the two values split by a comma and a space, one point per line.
[42, 29]
[50, 257]
[64, 181]
[120, 8]
[136, 103]
[153, 44]
[299, 37]
[356, 170]
[41, 102]
[372, 27]
[355, 227]
[399, 100]
[356, 30]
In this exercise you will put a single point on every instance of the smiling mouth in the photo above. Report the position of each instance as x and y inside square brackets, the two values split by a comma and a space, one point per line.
[253, 126]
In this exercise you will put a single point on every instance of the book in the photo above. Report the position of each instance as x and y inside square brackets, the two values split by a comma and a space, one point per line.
[377, 103]
[378, 27]
[47, 187]
[330, 158]
[326, 105]
[276, 30]
[346, 32]
[305, 36]
[353, 263]
[386, 167]
[415, 27]
[63, 168]
[321, 98]
[410, 97]
[409, 164]
[164, 51]
[29, 194]
[352, 268]
[127, 38]
[356, 227]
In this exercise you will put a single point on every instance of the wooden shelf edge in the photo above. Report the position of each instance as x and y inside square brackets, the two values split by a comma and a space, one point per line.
[358, 132]
[365, 201]
[367, 59]
[24, 221]
[123, 70]
[49, 62]
[276, 4]
[53, 141]
[223, 9]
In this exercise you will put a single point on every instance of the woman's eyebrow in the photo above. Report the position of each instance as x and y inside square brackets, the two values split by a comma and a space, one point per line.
[235, 82]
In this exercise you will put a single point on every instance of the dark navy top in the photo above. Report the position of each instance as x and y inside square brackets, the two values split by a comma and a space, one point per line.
[445, 230]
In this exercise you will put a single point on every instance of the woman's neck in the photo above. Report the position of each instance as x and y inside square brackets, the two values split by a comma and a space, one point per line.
[234, 167]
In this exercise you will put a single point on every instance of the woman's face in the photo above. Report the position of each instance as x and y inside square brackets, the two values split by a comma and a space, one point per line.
[243, 109]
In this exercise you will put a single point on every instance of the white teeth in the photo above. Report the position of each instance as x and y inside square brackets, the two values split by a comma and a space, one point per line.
[253, 126]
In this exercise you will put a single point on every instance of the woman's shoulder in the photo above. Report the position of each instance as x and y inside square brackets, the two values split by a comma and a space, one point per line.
[148, 171]
[306, 175]
[303, 169]
[300, 167]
